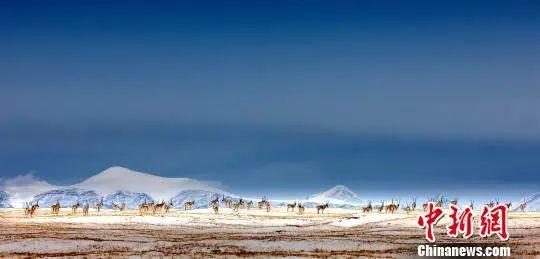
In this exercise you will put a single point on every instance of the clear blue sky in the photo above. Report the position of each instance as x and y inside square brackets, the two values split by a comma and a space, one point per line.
[273, 94]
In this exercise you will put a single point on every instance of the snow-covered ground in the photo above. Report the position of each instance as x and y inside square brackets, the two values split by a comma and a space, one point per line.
[201, 233]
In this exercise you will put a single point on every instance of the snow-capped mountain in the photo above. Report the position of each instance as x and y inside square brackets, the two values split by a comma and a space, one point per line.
[122, 179]
[337, 196]
[23, 188]
[132, 199]
[4, 200]
[532, 203]
[113, 184]
[67, 197]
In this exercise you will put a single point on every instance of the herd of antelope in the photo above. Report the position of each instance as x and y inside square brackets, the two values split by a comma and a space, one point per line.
[439, 202]
[163, 207]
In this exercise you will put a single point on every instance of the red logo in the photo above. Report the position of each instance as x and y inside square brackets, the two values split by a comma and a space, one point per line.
[462, 222]
[493, 221]
[429, 220]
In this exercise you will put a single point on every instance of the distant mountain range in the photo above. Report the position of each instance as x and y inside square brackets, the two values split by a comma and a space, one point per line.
[117, 184]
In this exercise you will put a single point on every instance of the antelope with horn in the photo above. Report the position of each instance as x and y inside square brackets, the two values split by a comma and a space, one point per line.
[413, 204]
[471, 205]
[393, 207]
[261, 203]
[301, 208]
[321, 208]
[189, 204]
[214, 204]
[158, 207]
[249, 204]
[389, 207]
[74, 208]
[123, 205]
[99, 205]
[237, 205]
[32, 209]
[368, 208]
[291, 206]
[144, 207]
[268, 206]
[381, 208]
[114, 206]
[454, 201]
[228, 201]
[425, 205]
[27, 209]
[508, 204]
[85, 209]
[55, 208]
[523, 205]
[440, 201]
[168, 206]
[407, 208]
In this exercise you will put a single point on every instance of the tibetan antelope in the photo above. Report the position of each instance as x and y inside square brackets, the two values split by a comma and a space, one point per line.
[291, 206]
[168, 206]
[249, 204]
[237, 205]
[74, 208]
[321, 208]
[440, 201]
[123, 205]
[407, 208]
[425, 205]
[85, 209]
[301, 208]
[490, 204]
[189, 204]
[99, 205]
[114, 206]
[389, 207]
[454, 201]
[158, 207]
[30, 211]
[392, 207]
[471, 205]
[144, 207]
[215, 205]
[228, 201]
[381, 208]
[27, 209]
[55, 208]
[368, 208]
[262, 202]
[508, 204]
[413, 204]
[268, 207]
[523, 205]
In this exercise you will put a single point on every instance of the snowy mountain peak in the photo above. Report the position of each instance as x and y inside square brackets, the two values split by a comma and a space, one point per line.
[340, 189]
[119, 178]
[117, 172]
[338, 194]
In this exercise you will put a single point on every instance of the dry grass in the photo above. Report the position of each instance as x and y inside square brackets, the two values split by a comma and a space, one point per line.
[224, 235]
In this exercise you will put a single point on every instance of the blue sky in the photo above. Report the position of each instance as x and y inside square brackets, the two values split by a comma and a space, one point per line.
[281, 95]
